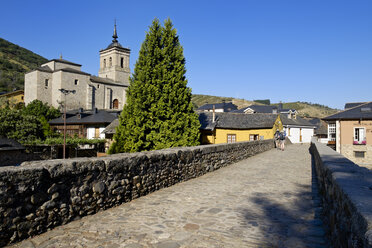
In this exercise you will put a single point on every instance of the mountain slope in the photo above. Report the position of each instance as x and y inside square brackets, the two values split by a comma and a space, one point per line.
[304, 108]
[15, 61]
[199, 100]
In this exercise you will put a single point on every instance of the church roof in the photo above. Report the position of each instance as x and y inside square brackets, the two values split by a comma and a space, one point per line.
[73, 71]
[64, 62]
[107, 81]
[43, 68]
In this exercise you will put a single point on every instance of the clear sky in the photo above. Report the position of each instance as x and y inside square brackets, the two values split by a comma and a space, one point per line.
[317, 51]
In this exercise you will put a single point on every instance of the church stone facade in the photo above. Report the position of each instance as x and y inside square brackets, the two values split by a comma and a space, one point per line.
[107, 91]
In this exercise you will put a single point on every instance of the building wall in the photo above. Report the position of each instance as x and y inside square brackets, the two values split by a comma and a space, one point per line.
[74, 101]
[241, 135]
[220, 135]
[207, 137]
[44, 93]
[347, 147]
[294, 133]
[91, 131]
[115, 71]
[30, 88]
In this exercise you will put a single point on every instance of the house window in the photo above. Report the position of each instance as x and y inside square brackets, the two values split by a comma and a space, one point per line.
[46, 82]
[253, 137]
[76, 82]
[231, 138]
[104, 63]
[332, 131]
[359, 135]
[122, 62]
[359, 154]
[110, 64]
[97, 86]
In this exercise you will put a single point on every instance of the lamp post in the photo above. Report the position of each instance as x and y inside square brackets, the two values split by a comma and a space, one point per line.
[65, 92]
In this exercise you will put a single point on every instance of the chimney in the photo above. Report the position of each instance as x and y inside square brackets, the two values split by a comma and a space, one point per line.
[214, 114]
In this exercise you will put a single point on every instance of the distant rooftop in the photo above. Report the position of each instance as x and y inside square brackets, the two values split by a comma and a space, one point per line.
[362, 111]
[236, 121]
[226, 106]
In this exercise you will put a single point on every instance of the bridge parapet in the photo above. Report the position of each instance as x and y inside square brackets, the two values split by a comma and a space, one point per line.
[40, 195]
[346, 190]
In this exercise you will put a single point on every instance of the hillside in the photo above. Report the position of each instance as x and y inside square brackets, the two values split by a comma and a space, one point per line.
[304, 108]
[199, 100]
[310, 109]
[14, 62]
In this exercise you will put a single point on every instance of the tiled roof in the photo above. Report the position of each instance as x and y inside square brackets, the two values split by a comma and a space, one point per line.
[64, 62]
[86, 117]
[111, 129]
[321, 126]
[227, 107]
[12, 93]
[107, 81]
[363, 111]
[44, 69]
[236, 121]
[266, 109]
[353, 104]
[298, 121]
[73, 71]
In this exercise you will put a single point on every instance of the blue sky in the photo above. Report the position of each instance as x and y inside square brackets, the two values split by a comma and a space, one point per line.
[317, 51]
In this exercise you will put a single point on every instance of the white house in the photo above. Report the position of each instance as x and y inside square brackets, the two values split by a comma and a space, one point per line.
[297, 129]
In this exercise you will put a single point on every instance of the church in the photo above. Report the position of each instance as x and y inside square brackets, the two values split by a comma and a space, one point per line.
[107, 91]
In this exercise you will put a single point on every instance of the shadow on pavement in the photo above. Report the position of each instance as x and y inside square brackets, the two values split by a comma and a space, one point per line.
[293, 223]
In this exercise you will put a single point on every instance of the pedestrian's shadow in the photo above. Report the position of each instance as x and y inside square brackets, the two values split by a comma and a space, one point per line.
[282, 225]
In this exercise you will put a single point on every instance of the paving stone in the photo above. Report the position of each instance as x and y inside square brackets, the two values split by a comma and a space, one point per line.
[268, 200]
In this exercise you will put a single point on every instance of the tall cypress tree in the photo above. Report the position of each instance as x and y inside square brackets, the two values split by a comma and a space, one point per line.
[159, 113]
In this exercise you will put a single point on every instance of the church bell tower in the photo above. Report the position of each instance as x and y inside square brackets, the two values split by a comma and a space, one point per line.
[114, 61]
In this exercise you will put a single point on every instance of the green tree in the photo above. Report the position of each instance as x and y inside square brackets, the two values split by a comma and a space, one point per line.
[159, 113]
[38, 108]
[15, 125]
[44, 113]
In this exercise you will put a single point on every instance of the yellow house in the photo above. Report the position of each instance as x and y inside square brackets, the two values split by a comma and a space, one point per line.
[12, 98]
[236, 127]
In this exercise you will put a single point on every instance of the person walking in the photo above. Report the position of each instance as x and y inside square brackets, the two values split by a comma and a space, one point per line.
[276, 138]
[282, 140]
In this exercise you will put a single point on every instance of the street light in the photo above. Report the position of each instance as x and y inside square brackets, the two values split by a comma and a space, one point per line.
[65, 92]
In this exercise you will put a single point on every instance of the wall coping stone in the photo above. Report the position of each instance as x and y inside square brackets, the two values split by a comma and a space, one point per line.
[84, 186]
[347, 192]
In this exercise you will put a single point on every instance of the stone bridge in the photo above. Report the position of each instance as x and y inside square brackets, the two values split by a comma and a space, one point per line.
[267, 200]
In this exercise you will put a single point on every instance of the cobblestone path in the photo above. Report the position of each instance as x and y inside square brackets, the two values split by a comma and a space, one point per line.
[269, 200]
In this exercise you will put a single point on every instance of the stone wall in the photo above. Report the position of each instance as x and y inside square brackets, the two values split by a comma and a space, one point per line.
[40, 195]
[346, 191]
